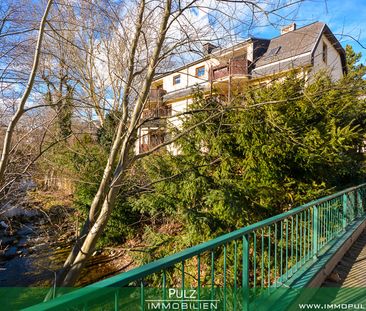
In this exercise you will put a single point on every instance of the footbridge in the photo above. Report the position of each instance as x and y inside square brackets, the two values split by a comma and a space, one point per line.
[264, 266]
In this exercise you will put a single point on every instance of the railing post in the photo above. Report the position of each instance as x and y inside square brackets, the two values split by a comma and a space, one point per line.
[355, 204]
[359, 203]
[344, 211]
[315, 230]
[245, 280]
[360, 207]
[116, 300]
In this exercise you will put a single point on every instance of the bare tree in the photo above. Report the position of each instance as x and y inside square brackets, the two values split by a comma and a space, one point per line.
[103, 56]
[20, 109]
[131, 53]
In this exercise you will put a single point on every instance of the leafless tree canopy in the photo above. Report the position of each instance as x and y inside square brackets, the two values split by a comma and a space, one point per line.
[82, 60]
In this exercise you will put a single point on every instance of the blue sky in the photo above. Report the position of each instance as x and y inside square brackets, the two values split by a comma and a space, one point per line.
[346, 17]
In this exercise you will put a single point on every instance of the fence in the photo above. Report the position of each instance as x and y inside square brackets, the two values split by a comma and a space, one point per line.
[235, 267]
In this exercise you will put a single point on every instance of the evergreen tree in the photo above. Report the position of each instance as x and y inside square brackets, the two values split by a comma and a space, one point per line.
[269, 150]
[354, 65]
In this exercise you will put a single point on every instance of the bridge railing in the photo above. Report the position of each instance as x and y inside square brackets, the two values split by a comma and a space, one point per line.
[246, 262]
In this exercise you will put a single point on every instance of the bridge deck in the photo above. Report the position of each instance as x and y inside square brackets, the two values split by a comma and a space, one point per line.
[351, 270]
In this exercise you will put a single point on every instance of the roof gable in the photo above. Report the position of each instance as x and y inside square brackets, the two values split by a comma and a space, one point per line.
[291, 44]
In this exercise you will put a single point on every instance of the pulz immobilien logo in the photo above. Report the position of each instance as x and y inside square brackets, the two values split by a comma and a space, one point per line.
[178, 299]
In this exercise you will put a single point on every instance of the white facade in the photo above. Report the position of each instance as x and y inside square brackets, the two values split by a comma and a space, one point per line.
[332, 63]
[188, 76]
[179, 85]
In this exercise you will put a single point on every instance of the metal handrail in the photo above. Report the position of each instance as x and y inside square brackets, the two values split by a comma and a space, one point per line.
[315, 225]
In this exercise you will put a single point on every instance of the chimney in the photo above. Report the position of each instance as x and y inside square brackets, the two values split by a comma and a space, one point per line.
[208, 47]
[288, 28]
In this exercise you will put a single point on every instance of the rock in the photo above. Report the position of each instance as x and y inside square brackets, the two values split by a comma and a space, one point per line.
[26, 185]
[12, 211]
[12, 251]
[25, 230]
[4, 225]
[23, 240]
[7, 240]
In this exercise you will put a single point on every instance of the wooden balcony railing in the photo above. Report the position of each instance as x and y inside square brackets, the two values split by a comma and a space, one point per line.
[162, 111]
[156, 95]
[235, 66]
[151, 140]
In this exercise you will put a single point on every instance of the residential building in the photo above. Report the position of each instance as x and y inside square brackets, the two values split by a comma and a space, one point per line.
[307, 50]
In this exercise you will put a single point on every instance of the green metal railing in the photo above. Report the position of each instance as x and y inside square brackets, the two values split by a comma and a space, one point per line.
[241, 264]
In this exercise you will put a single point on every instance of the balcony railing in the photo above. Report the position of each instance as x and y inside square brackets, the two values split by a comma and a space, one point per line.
[150, 140]
[235, 66]
[156, 95]
[162, 111]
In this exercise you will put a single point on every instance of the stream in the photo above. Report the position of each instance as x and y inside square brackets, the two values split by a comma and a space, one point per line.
[33, 246]
[30, 257]
[36, 237]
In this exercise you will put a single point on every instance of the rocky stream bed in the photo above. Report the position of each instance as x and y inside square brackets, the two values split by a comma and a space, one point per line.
[34, 244]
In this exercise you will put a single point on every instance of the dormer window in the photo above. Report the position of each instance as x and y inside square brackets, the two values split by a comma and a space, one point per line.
[200, 71]
[325, 53]
[176, 79]
[274, 51]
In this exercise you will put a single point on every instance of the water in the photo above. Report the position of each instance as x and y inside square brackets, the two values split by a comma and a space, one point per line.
[36, 250]
[31, 258]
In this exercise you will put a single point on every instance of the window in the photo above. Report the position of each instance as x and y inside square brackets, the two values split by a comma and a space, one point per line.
[176, 79]
[325, 53]
[274, 51]
[200, 71]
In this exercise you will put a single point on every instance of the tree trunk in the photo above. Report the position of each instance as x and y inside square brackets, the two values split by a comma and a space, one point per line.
[91, 240]
[110, 185]
[107, 175]
[10, 130]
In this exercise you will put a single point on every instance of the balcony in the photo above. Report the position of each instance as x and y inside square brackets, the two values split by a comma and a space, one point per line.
[162, 111]
[155, 117]
[234, 67]
[150, 140]
[156, 95]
